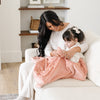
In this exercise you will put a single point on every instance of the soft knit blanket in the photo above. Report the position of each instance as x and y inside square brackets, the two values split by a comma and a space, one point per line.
[50, 69]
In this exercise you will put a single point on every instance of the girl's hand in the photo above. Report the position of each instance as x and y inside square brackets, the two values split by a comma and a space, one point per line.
[69, 54]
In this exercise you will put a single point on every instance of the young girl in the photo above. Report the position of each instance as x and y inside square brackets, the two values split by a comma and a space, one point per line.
[52, 68]
[72, 37]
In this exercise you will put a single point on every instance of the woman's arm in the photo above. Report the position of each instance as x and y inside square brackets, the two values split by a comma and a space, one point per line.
[54, 53]
[83, 46]
[48, 49]
[70, 53]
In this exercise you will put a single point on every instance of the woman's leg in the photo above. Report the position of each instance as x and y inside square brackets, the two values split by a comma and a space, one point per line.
[25, 84]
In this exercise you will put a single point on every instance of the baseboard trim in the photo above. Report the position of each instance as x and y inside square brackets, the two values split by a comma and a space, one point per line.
[11, 56]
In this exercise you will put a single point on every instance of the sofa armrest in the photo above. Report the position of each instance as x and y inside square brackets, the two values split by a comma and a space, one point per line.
[29, 53]
[93, 61]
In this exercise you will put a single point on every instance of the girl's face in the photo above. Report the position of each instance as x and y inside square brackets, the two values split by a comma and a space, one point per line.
[71, 43]
[52, 27]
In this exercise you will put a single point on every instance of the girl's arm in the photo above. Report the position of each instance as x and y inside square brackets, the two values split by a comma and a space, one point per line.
[79, 48]
[70, 53]
[62, 53]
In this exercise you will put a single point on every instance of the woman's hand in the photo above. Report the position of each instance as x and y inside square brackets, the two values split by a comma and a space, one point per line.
[54, 53]
[58, 52]
[61, 52]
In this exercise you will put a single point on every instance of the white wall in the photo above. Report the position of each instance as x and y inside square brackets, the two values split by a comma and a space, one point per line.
[9, 30]
[85, 14]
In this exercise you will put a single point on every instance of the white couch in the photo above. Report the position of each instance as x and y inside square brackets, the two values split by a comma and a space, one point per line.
[70, 89]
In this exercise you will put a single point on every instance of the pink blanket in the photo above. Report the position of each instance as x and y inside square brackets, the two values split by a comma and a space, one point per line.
[49, 69]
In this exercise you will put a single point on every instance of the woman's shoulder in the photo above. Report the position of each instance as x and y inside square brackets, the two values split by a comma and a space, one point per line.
[67, 25]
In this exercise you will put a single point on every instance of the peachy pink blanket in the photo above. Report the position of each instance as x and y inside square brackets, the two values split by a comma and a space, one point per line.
[50, 69]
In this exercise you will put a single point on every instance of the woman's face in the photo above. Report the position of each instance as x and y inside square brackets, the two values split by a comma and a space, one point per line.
[52, 27]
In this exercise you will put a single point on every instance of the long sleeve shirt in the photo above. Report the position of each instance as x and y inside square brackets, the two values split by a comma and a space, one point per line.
[56, 40]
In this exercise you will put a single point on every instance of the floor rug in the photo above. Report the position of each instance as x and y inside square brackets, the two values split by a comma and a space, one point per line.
[8, 97]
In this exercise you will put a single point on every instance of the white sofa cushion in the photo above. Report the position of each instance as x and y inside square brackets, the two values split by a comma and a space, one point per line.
[93, 61]
[66, 88]
[67, 83]
[69, 93]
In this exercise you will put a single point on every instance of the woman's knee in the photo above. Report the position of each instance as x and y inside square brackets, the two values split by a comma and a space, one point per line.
[26, 67]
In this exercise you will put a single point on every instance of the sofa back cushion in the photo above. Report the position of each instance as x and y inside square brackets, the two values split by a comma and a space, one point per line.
[90, 37]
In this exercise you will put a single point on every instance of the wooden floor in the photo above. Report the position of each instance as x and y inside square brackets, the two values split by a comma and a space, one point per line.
[9, 78]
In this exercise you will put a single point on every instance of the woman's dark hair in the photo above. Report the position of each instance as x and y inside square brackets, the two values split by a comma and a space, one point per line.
[72, 33]
[44, 32]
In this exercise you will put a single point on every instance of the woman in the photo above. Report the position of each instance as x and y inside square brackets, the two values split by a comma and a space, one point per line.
[51, 29]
